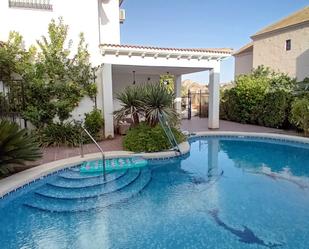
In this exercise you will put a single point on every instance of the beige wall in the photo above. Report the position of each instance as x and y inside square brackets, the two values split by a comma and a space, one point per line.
[243, 63]
[270, 51]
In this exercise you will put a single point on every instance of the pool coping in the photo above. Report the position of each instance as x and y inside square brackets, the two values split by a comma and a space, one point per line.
[19, 180]
[275, 136]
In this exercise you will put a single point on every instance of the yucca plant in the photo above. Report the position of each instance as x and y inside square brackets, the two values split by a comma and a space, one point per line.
[16, 147]
[131, 105]
[158, 101]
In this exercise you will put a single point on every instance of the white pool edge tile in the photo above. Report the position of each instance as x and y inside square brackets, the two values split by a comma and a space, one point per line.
[281, 137]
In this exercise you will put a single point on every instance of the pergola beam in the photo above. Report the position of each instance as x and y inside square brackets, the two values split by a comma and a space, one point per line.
[119, 51]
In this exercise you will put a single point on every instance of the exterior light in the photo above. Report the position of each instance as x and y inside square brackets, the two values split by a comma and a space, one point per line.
[134, 78]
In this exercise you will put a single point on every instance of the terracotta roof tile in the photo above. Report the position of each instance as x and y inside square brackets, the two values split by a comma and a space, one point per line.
[207, 50]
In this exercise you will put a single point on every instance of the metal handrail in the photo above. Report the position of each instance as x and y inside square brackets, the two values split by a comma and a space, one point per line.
[169, 133]
[98, 146]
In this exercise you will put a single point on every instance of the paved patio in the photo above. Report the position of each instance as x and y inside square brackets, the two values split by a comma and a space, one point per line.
[195, 124]
[201, 124]
[55, 153]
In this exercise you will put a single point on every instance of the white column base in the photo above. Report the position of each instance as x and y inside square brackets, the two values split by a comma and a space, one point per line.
[108, 106]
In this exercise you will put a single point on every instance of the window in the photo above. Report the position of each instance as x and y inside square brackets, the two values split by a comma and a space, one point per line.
[288, 45]
[31, 4]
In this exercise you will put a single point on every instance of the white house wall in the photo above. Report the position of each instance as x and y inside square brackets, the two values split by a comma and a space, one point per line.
[109, 21]
[121, 81]
[81, 16]
[86, 105]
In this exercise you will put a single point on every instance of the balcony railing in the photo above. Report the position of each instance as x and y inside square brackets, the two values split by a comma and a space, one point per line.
[31, 4]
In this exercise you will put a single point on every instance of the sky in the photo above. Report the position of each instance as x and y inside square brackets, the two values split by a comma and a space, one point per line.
[201, 24]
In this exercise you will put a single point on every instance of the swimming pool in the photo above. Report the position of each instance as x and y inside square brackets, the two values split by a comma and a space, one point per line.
[229, 192]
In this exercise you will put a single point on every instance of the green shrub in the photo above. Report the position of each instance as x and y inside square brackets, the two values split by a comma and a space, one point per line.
[16, 147]
[275, 109]
[262, 97]
[241, 102]
[144, 138]
[228, 106]
[54, 79]
[300, 114]
[94, 123]
[58, 134]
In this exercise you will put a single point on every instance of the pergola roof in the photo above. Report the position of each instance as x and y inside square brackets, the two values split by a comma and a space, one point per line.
[177, 60]
[200, 50]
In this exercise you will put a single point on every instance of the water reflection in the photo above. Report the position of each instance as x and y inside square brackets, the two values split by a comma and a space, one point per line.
[277, 161]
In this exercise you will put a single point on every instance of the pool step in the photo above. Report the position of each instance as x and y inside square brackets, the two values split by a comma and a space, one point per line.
[76, 175]
[89, 192]
[102, 201]
[61, 182]
[75, 169]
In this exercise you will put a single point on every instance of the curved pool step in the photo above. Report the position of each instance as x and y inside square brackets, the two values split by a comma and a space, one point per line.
[82, 205]
[76, 175]
[75, 169]
[60, 182]
[89, 192]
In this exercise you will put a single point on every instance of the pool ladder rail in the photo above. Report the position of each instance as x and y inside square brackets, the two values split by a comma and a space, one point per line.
[97, 145]
[169, 133]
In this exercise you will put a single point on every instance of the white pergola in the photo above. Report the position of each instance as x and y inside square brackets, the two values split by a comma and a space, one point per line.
[148, 63]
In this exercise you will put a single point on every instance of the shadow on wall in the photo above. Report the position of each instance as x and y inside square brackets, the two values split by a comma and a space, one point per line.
[102, 15]
[302, 65]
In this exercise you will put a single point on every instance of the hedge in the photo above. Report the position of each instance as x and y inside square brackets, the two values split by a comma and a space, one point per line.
[144, 138]
[262, 97]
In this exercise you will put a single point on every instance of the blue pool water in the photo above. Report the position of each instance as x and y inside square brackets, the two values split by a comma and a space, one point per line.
[227, 193]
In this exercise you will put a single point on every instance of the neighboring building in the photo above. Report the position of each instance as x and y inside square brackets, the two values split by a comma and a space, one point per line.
[120, 65]
[244, 59]
[282, 46]
[193, 87]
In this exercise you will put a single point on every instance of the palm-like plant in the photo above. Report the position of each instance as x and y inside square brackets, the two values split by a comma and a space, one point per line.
[16, 146]
[158, 101]
[130, 101]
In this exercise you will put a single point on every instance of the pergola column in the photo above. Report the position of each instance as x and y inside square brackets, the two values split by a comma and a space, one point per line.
[177, 91]
[214, 97]
[108, 106]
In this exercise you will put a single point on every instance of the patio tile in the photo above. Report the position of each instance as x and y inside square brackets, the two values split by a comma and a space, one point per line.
[193, 125]
[201, 124]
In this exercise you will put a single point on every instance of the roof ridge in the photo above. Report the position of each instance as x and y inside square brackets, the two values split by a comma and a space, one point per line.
[244, 48]
[279, 23]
